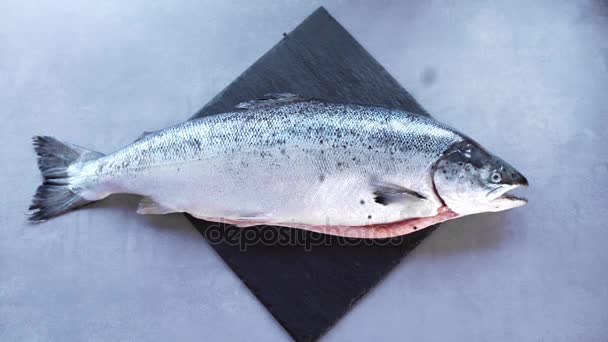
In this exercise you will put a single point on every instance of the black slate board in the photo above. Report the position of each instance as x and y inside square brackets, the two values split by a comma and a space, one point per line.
[307, 280]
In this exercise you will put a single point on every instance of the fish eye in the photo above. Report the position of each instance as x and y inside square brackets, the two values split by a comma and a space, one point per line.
[496, 177]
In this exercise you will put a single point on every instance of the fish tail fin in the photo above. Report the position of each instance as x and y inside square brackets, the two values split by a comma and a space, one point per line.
[56, 195]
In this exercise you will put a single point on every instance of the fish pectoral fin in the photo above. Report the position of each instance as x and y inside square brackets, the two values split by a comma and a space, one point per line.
[270, 100]
[144, 134]
[387, 194]
[148, 206]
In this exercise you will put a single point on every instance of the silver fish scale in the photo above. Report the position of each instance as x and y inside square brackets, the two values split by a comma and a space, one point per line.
[306, 161]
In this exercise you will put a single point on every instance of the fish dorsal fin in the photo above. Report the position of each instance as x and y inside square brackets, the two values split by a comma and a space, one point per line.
[270, 100]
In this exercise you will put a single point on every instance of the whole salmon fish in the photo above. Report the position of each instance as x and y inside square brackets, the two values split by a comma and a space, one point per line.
[341, 169]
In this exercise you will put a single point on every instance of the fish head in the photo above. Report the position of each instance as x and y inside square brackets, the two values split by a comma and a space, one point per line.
[471, 180]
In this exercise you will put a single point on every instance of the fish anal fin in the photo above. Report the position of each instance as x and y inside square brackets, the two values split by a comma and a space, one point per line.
[147, 206]
[270, 100]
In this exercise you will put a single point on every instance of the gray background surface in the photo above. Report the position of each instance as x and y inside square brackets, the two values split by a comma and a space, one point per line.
[527, 79]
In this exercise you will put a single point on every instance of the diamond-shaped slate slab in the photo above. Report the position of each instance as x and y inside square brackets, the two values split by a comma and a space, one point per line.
[307, 280]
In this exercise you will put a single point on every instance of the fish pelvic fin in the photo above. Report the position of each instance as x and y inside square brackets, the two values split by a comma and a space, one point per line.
[57, 194]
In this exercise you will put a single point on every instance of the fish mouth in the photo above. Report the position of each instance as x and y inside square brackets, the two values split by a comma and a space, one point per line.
[501, 193]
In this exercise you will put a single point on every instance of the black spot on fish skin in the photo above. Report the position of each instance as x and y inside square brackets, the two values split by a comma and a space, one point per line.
[362, 202]
[321, 178]
[369, 217]
[283, 151]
